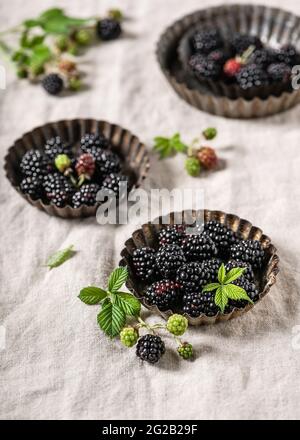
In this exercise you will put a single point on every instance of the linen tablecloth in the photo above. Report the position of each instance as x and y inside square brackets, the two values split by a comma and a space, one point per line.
[55, 362]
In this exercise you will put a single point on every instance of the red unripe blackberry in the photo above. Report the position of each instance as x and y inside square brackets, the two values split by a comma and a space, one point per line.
[232, 67]
[208, 158]
[85, 166]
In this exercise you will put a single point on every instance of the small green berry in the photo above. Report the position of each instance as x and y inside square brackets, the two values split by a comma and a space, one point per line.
[62, 162]
[115, 14]
[37, 69]
[210, 133]
[22, 72]
[192, 166]
[177, 324]
[75, 83]
[185, 350]
[73, 49]
[129, 336]
[82, 37]
[62, 42]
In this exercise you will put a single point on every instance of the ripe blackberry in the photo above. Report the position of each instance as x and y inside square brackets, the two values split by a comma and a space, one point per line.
[113, 182]
[172, 234]
[58, 189]
[221, 235]
[218, 56]
[262, 57]
[168, 259]
[241, 42]
[210, 270]
[207, 40]
[251, 76]
[164, 294]
[33, 164]
[279, 72]
[31, 186]
[144, 263]
[195, 304]
[150, 348]
[93, 141]
[189, 276]
[204, 67]
[251, 291]
[248, 273]
[53, 83]
[198, 247]
[87, 195]
[106, 161]
[288, 54]
[249, 251]
[108, 29]
[56, 146]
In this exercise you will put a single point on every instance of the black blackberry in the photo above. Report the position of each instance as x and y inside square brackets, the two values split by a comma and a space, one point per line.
[189, 276]
[251, 291]
[251, 76]
[150, 348]
[172, 234]
[221, 235]
[108, 29]
[249, 251]
[198, 247]
[87, 195]
[56, 146]
[204, 67]
[241, 42]
[34, 164]
[219, 56]
[207, 40]
[169, 258]
[106, 161]
[248, 273]
[113, 182]
[164, 294]
[210, 270]
[279, 72]
[144, 263]
[262, 57]
[58, 189]
[53, 84]
[288, 54]
[90, 141]
[32, 186]
[195, 304]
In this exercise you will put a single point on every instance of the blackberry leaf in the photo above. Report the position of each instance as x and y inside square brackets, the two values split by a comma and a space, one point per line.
[221, 274]
[111, 319]
[117, 278]
[128, 303]
[92, 295]
[234, 274]
[221, 299]
[60, 257]
[210, 287]
[235, 292]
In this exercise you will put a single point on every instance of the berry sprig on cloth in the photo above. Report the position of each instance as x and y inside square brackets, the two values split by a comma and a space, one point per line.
[198, 155]
[47, 44]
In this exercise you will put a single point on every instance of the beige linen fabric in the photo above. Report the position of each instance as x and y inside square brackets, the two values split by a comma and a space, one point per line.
[57, 364]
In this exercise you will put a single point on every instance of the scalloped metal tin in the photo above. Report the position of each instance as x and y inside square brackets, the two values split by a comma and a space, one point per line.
[148, 236]
[274, 26]
[133, 153]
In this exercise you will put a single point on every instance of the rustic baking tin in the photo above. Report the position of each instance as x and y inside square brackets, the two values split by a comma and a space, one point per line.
[148, 236]
[133, 153]
[274, 26]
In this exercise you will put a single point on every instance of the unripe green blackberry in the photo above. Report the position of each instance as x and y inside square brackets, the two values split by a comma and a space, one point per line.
[210, 133]
[62, 162]
[177, 324]
[192, 166]
[129, 336]
[185, 350]
[82, 37]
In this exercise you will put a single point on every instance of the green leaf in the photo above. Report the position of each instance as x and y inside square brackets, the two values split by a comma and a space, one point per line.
[111, 319]
[54, 21]
[221, 274]
[60, 257]
[128, 303]
[221, 299]
[92, 295]
[234, 274]
[117, 279]
[31, 23]
[51, 13]
[211, 287]
[235, 292]
[177, 144]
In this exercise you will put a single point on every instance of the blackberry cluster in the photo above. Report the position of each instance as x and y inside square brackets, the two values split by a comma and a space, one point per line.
[222, 236]
[241, 42]
[172, 234]
[108, 29]
[169, 258]
[150, 348]
[198, 247]
[197, 303]
[249, 251]
[53, 84]
[205, 67]
[251, 76]
[207, 40]
[263, 57]
[279, 72]
[164, 294]
[55, 175]
[144, 263]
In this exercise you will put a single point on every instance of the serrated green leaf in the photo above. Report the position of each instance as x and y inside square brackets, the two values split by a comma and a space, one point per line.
[211, 287]
[234, 274]
[111, 319]
[92, 295]
[117, 278]
[51, 13]
[60, 257]
[221, 274]
[221, 299]
[31, 23]
[236, 292]
[54, 21]
[177, 144]
[128, 303]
